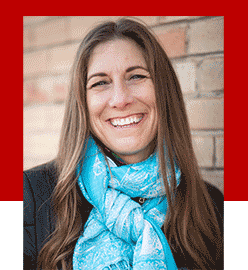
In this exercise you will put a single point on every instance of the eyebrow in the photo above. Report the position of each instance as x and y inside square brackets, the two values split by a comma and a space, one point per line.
[102, 74]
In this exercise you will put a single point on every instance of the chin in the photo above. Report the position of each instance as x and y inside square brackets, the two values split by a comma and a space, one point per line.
[132, 151]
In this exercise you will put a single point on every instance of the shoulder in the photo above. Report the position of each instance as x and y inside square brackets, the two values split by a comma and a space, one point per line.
[40, 181]
[213, 190]
[38, 185]
[42, 176]
[216, 196]
[218, 203]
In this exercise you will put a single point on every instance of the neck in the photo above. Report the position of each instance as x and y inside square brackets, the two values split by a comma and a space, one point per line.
[139, 157]
[123, 159]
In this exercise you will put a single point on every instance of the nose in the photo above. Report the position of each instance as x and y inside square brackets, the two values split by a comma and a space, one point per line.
[121, 96]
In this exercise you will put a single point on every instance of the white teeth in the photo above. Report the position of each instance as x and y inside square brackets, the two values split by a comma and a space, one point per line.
[126, 121]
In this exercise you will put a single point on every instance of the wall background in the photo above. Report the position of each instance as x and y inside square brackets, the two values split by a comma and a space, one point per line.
[195, 44]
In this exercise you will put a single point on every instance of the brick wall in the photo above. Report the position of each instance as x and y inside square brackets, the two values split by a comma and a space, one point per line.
[193, 43]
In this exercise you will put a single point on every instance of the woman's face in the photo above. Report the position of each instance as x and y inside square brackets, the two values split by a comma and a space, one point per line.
[121, 100]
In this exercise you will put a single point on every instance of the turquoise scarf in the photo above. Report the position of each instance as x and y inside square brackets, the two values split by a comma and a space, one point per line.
[120, 233]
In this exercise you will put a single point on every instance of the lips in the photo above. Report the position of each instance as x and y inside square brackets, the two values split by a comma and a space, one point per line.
[126, 121]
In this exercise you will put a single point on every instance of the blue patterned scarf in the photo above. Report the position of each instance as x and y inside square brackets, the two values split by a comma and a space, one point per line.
[120, 233]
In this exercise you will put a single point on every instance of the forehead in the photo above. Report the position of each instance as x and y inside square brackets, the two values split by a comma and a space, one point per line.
[115, 55]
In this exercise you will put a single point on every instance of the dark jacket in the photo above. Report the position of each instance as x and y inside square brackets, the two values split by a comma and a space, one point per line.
[38, 185]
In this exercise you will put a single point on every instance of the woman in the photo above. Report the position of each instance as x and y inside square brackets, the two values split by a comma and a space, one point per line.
[124, 191]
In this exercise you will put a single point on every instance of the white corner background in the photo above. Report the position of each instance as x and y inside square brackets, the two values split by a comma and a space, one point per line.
[11, 235]
[235, 235]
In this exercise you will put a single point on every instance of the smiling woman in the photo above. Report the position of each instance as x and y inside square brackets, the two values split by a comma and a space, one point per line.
[121, 100]
[124, 191]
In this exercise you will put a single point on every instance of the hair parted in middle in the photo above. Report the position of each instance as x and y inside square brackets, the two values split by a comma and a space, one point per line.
[191, 218]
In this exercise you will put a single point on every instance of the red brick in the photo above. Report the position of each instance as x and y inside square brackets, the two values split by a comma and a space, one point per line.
[51, 32]
[34, 63]
[206, 114]
[210, 74]
[60, 88]
[214, 177]
[28, 88]
[34, 19]
[60, 58]
[186, 72]
[204, 149]
[173, 40]
[60, 92]
[54, 88]
[45, 117]
[80, 25]
[27, 37]
[148, 20]
[220, 152]
[32, 94]
[176, 18]
[206, 36]
[45, 88]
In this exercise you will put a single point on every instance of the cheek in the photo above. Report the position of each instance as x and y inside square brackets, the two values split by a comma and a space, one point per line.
[94, 104]
[93, 107]
[147, 95]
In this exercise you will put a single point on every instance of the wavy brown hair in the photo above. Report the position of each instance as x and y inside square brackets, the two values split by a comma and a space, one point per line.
[191, 225]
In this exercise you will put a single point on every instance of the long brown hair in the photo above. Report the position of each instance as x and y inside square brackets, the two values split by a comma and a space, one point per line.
[191, 218]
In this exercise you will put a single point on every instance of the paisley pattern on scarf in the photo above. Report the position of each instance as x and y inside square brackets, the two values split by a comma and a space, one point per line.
[120, 233]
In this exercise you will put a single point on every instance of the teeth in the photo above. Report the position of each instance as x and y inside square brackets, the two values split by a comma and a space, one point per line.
[126, 121]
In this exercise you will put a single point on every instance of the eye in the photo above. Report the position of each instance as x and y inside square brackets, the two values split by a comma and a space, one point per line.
[100, 83]
[137, 76]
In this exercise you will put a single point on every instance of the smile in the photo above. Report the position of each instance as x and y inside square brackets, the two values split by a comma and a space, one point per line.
[121, 122]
